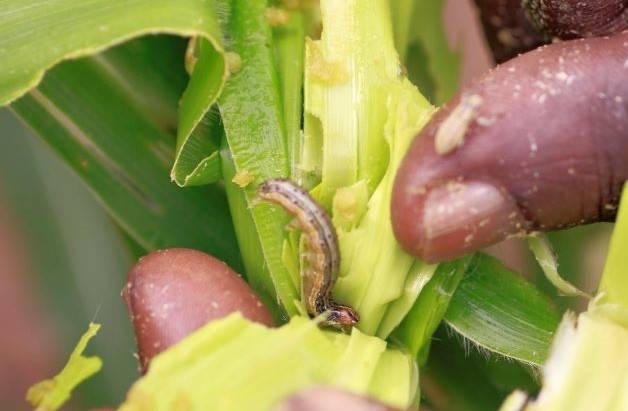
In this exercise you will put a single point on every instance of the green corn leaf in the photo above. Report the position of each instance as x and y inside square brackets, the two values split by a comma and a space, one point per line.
[49, 395]
[64, 29]
[547, 259]
[588, 364]
[197, 161]
[499, 311]
[151, 71]
[416, 329]
[587, 368]
[89, 117]
[289, 42]
[251, 110]
[614, 283]
[361, 115]
[248, 239]
[346, 96]
[234, 364]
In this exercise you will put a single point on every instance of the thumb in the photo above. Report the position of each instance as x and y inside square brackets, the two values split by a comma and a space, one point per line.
[540, 143]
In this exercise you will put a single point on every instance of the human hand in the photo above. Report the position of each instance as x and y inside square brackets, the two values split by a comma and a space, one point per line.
[539, 143]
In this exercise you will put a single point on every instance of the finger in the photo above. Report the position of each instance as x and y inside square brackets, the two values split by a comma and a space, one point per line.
[507, 28]
[329, 399]
[570, 19]
[171, 293]
[540, 143]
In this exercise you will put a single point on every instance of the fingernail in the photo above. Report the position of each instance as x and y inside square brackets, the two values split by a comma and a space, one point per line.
[462, 217]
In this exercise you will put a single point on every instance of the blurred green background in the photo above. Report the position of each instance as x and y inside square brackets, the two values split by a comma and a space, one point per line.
[77, 261]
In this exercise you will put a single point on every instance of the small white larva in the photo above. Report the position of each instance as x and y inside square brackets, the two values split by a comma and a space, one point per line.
[322, 255]
[452, 130]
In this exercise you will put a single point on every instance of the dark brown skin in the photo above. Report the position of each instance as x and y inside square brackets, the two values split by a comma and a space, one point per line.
[570, 19]
[507, 28]
[171, 293]
[548, 149]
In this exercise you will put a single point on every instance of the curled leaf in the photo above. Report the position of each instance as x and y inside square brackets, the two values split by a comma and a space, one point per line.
[49, 395]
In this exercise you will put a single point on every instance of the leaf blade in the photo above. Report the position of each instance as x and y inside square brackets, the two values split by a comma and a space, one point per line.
[251, 110]
[498, 310]
[49, 395]
[67, 29]
[124, 157]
